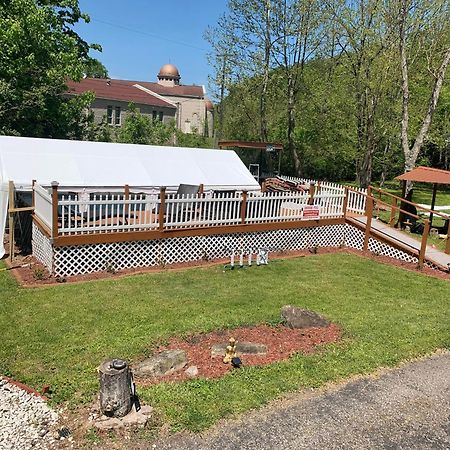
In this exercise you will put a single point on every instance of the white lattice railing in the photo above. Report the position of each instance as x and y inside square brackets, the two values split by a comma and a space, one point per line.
[43, 205]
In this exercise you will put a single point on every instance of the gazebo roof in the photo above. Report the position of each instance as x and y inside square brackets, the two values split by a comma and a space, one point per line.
[426, 175]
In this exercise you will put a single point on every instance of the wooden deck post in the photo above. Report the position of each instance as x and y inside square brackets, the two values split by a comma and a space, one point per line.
[12, 205]
[423, 245]
[243, 206]
[311, 194]
[345, 204]
[162, 207]
[55, 209]
[447, 246]
[33, 196]
[201, 189]
[369, 213]
[433, 203]
[393, 208]
[126, 209]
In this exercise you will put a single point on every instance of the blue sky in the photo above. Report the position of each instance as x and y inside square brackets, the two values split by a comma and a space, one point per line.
[139, 36]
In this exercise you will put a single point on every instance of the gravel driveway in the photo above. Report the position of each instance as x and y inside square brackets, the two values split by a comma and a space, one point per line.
[403, 408]
[24, 419]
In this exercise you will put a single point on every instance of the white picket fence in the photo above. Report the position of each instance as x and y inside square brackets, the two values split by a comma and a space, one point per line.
[356, 202]
[83, 213]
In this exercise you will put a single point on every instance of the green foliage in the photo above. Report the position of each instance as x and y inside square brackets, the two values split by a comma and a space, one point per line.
[141, 129]
[348, 104]
[95, 69]
[193, 140]
[38, 51]
[58, 335]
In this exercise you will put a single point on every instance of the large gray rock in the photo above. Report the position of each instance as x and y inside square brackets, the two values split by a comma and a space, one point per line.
[242, 348]
[161, 364]
[294, 317]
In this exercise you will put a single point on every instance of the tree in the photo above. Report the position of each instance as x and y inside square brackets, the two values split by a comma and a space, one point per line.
[39, 51]
[242, 46]
[298, 35]
[141, 129]
[95, 69]
[423, 33]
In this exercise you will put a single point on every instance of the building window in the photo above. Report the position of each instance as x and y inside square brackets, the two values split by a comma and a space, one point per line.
[109, 115]
[117, 117]
[161, 115]
[154, 115]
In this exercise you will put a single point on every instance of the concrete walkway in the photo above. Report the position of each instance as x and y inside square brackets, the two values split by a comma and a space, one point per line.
[403, 408]
[431, 254]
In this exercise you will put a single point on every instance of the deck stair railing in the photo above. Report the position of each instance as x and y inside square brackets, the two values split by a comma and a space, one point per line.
[394, 205]
[372, 205]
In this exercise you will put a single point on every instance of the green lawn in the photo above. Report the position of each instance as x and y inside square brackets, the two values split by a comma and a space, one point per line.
[58, 335]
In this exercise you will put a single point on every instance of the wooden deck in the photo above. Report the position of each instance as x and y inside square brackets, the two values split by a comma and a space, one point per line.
[403, 239]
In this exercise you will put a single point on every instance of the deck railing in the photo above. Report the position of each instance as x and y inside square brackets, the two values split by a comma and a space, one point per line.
[89, 213]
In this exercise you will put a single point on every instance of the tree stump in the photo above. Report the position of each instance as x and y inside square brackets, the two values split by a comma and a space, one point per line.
[115, 388]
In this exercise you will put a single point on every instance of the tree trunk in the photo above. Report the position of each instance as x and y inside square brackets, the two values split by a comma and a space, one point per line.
[291, 128]
[405, 81]
[414, 152]
[115, 388]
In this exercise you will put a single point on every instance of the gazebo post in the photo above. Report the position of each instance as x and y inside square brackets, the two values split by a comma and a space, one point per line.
[433, 201]
[402, 205]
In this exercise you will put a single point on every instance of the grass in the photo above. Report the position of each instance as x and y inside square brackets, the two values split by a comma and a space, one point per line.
[58, 335]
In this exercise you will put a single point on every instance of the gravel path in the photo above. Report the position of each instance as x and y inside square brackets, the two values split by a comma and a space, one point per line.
[403, 408]
[24, 419]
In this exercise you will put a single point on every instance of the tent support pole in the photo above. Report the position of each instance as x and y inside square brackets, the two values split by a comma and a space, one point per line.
[11, 220]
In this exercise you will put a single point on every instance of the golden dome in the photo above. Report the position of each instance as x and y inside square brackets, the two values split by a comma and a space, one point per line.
[169, 71]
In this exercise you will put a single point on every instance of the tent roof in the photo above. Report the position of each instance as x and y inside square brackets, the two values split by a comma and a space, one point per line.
[100, 164]
[426, 175]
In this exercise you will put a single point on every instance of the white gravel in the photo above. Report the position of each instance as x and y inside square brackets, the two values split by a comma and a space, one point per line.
[25, 419]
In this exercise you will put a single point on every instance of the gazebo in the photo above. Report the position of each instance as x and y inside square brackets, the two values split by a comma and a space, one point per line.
[429, 175]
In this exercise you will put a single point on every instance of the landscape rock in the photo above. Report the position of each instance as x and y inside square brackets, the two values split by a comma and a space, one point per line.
[242, 348]
[132, 419]
[135, 419]
[163, 363]
[295, 317]
[191, 371]
[108, 423]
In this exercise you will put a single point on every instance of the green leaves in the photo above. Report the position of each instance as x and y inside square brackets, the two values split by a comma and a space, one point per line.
[39, 51]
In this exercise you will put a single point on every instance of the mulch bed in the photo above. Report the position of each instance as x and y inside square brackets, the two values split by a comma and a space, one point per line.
[281, 343]
[25, 268]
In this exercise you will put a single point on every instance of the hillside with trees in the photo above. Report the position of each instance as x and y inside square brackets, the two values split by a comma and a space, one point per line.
[354, 89]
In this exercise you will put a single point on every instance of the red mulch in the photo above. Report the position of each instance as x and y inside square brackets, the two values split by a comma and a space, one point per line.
[281, 343]
[26, 275]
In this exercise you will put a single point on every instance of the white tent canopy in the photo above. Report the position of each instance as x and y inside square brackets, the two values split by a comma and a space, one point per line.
[78, 164]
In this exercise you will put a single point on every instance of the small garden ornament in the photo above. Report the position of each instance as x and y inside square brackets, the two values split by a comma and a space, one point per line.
[230, 352]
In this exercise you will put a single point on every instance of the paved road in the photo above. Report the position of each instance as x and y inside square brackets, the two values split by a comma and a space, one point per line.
[403, 408]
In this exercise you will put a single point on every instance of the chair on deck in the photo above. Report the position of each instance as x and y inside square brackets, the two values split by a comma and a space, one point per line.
[180, 211]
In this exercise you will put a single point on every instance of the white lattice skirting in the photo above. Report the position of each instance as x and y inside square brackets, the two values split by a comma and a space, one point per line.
[42, 248]
[76, 260]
